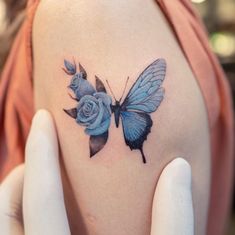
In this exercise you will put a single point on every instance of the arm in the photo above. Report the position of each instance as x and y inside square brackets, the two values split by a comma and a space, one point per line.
[20, 190]
[110, 39]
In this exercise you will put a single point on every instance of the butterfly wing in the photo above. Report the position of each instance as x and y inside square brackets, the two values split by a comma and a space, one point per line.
[143, 98]
[136, 127]
[146, 94]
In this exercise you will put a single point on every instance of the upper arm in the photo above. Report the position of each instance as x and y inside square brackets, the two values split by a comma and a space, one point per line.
[114, 40]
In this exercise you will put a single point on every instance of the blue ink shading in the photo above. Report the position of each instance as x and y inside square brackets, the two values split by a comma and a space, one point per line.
[94, 113]
[69, 67]
[81, 86]
[144, 97]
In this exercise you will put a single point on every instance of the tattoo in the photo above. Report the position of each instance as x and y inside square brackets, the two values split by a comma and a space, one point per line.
[94, 108]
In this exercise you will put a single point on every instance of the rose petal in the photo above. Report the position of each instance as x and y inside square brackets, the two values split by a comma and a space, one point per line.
[84, 99]
[99, 118]
[95, 109]
[85, 120]
[87, 98]
[82, 118]
[88, 108]
[106, 115]
[74, 82]
[104, 126]
[107, 100]
[71, 68]
[83, 88]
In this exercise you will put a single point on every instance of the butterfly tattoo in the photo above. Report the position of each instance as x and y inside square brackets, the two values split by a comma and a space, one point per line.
[95, 106]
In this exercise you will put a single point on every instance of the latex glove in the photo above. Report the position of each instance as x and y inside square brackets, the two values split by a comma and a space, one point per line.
[172, 212]
[37, 186]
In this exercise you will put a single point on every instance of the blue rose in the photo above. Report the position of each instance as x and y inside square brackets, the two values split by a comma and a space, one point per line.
[94, 112]
[80, 86]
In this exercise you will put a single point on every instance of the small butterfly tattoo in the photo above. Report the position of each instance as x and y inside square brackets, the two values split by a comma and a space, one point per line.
[95, 106]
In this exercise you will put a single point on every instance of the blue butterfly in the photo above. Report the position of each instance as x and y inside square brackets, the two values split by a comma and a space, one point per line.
[95, 106]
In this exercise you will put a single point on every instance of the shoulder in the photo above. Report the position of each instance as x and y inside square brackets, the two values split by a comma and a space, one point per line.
[114, 40]
[111, 39]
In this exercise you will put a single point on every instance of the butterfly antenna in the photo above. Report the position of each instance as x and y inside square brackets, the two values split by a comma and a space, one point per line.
[110, 89]
[124, 89]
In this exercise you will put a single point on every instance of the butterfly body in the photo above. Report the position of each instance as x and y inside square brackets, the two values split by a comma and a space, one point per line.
[116, 110]
[143, 98]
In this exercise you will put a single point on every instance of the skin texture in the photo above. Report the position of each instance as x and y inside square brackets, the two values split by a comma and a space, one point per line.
[111, 40]
[20, 197]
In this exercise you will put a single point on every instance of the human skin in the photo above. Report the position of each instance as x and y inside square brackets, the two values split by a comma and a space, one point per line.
[114, 40]
[25, 185]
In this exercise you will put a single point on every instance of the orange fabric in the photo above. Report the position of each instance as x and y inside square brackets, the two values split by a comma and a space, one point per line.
[16, 97]
[16, 101]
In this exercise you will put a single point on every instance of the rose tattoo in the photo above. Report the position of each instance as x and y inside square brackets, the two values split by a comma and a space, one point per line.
[94, 112]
